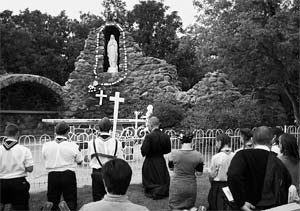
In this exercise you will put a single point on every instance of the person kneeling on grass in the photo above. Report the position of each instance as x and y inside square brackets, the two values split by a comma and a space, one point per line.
[61, 157]
[15, 161]
[186, 164]
[116, 175]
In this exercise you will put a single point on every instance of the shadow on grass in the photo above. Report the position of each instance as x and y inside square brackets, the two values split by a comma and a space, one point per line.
[135, 194]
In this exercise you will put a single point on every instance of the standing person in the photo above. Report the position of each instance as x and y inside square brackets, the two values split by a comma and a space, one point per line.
[275, 142]
[183, 187]
[218, 172]
[255, 175]
[101, 150]
[290, 157]
[116, 175]
[61, 157]
[155, 174]
[15, 161]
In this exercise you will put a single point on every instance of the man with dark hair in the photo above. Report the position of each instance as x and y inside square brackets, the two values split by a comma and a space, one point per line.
[155, 175]
[256, 177]
[101, 150]
[116, 176]
[15, 161]
[61, 158]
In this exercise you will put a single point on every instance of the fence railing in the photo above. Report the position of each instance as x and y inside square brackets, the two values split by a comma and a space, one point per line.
[131, 140]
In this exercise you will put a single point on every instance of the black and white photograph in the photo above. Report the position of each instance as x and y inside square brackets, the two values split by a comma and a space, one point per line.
[150, 105]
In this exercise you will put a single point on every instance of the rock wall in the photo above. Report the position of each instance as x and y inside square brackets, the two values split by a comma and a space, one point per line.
[213, 84]
[139, 84]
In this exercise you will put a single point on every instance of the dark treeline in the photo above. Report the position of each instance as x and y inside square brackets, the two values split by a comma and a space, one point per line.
[256, 43]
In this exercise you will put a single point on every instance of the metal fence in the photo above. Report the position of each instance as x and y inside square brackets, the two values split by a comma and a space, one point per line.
[131, 139]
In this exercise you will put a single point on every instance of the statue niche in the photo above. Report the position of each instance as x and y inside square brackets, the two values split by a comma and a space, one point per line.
[111, 49]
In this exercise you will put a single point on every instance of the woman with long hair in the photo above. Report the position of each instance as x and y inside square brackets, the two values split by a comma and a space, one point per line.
[290, 157]
[186, 164]
[218, 172]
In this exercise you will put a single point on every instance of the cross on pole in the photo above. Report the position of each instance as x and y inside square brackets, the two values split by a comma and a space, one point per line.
[101, 96]
[117, 99]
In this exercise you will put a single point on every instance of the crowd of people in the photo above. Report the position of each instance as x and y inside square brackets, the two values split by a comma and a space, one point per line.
[263, 173]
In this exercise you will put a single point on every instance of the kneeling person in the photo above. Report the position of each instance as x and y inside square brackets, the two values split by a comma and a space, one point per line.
[15, 161]
[116, 175]
[61, 157]
[101, 150]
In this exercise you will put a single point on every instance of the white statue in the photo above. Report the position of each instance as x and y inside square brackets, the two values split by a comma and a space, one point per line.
[112, 53]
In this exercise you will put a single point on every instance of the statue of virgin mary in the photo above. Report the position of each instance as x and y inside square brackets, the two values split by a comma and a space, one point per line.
[112, 53]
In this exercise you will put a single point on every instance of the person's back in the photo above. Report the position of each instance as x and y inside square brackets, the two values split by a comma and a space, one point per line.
[112, 203]
[185, 163]
[15, 162]
[222, 161]
[290, 157]
[11, 161]
[116, 175]
[159, 144]
[61, 156]
[218, 172]
[155, 175]
[246, 174]
[100, 151]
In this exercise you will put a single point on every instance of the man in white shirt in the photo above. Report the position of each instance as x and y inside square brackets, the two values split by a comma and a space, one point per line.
[15, 161]
[101, 150]
[61, 158]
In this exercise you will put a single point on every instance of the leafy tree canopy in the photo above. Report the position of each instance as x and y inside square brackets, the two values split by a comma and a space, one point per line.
[257, 42]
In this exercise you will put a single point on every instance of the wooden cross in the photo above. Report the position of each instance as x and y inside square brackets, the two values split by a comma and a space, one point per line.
[117, 99]
[101, 96]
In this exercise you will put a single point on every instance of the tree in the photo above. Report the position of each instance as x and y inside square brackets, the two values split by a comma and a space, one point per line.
[257, 43]
[153, 29]
[114, 10]
[41, 44]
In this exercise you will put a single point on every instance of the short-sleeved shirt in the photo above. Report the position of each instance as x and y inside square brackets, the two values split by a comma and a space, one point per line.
[220, 163]
[61, 156]
[185, 162]
[14, 161]
[105, 146]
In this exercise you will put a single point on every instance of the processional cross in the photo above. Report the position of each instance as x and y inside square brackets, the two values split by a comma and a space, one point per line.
[117, 99]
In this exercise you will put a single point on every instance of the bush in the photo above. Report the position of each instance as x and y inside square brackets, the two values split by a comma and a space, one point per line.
[170, 115]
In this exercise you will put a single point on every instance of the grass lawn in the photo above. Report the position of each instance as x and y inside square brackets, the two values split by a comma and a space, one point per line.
[135, 194]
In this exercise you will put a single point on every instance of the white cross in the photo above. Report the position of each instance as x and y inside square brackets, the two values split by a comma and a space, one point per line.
[137, 113]
[117, 99]
[101, 96]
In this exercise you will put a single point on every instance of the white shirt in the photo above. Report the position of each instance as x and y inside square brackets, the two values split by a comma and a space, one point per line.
[14, 161]
[220, 163]
[264, 147]
[61, 156]
[104, 146]
[276, 149]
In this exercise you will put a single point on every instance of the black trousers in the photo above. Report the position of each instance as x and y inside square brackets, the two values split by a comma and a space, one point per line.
[15, 192]
[97, 185]
[62, 183]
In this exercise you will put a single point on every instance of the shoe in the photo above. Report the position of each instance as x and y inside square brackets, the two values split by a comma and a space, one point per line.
[47, 206]
[63, 206]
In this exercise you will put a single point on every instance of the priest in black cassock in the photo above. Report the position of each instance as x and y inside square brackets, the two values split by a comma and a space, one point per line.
[156, 178]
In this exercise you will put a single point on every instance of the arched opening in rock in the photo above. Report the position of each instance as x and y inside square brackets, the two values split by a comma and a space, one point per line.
[26, 104]
[109, 30]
